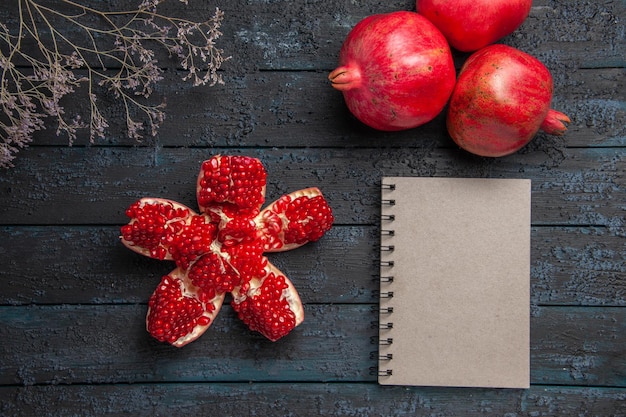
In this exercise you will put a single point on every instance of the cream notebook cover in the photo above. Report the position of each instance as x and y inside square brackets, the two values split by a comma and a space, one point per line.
[455, 278]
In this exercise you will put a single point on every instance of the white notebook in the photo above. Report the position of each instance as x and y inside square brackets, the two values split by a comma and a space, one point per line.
[455, 282]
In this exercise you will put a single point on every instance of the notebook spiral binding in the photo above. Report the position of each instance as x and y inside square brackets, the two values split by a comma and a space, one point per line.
[384, 369]
[380, 325]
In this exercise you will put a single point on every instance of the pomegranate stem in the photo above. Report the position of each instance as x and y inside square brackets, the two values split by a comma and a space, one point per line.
[345, 78]
[555, 123]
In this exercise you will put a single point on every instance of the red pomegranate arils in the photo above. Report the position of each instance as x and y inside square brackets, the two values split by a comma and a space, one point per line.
[295, 219]
[211, 272]
[154, 224]
[221, 250]
[271, 306]
[194, 240]
[238, 230]
[247, 260]
[237, 183]
[178, 312]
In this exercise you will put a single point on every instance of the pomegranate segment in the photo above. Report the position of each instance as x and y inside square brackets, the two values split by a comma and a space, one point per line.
[236, 183]
[221, 250]
[179, 312]
[154, 225]
[295, 219]
[271, 305]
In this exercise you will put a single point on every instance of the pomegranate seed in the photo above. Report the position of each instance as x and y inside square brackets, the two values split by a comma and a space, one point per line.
[204, 321]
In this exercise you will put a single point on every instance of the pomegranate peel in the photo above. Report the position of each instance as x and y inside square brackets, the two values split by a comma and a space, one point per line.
[220, 250]
[473, 24]
[295, 219]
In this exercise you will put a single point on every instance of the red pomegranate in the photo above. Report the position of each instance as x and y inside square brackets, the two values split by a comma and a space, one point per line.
[501, 100]
[222, 250]
[395, 71]
[472, 24]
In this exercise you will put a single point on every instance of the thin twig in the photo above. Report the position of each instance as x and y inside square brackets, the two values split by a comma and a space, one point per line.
[125, 66]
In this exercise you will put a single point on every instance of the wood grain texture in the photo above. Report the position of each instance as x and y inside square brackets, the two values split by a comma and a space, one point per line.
[88, 265]
[294, 109]
[315, 399]
[73, 299]
[285, 35]
[277, 92]
[94, 185]
[70, 344]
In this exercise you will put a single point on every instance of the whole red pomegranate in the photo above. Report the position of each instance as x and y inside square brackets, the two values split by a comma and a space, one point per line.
[221, 250]
[395, 71]
[500, 101]
[472, 24]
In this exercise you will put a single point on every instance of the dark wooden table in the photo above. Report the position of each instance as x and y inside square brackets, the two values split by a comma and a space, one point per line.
[73, 299]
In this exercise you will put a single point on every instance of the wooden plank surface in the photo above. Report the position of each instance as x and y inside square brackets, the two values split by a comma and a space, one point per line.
[61, 185]
[318, 399]
[286, 35]
[107, 344]
[73, 299]
[294, 109]
[341, 268]
[277, 92]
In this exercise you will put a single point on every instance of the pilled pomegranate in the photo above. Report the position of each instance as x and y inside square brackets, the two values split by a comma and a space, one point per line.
[501, 99]
[221, 250]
